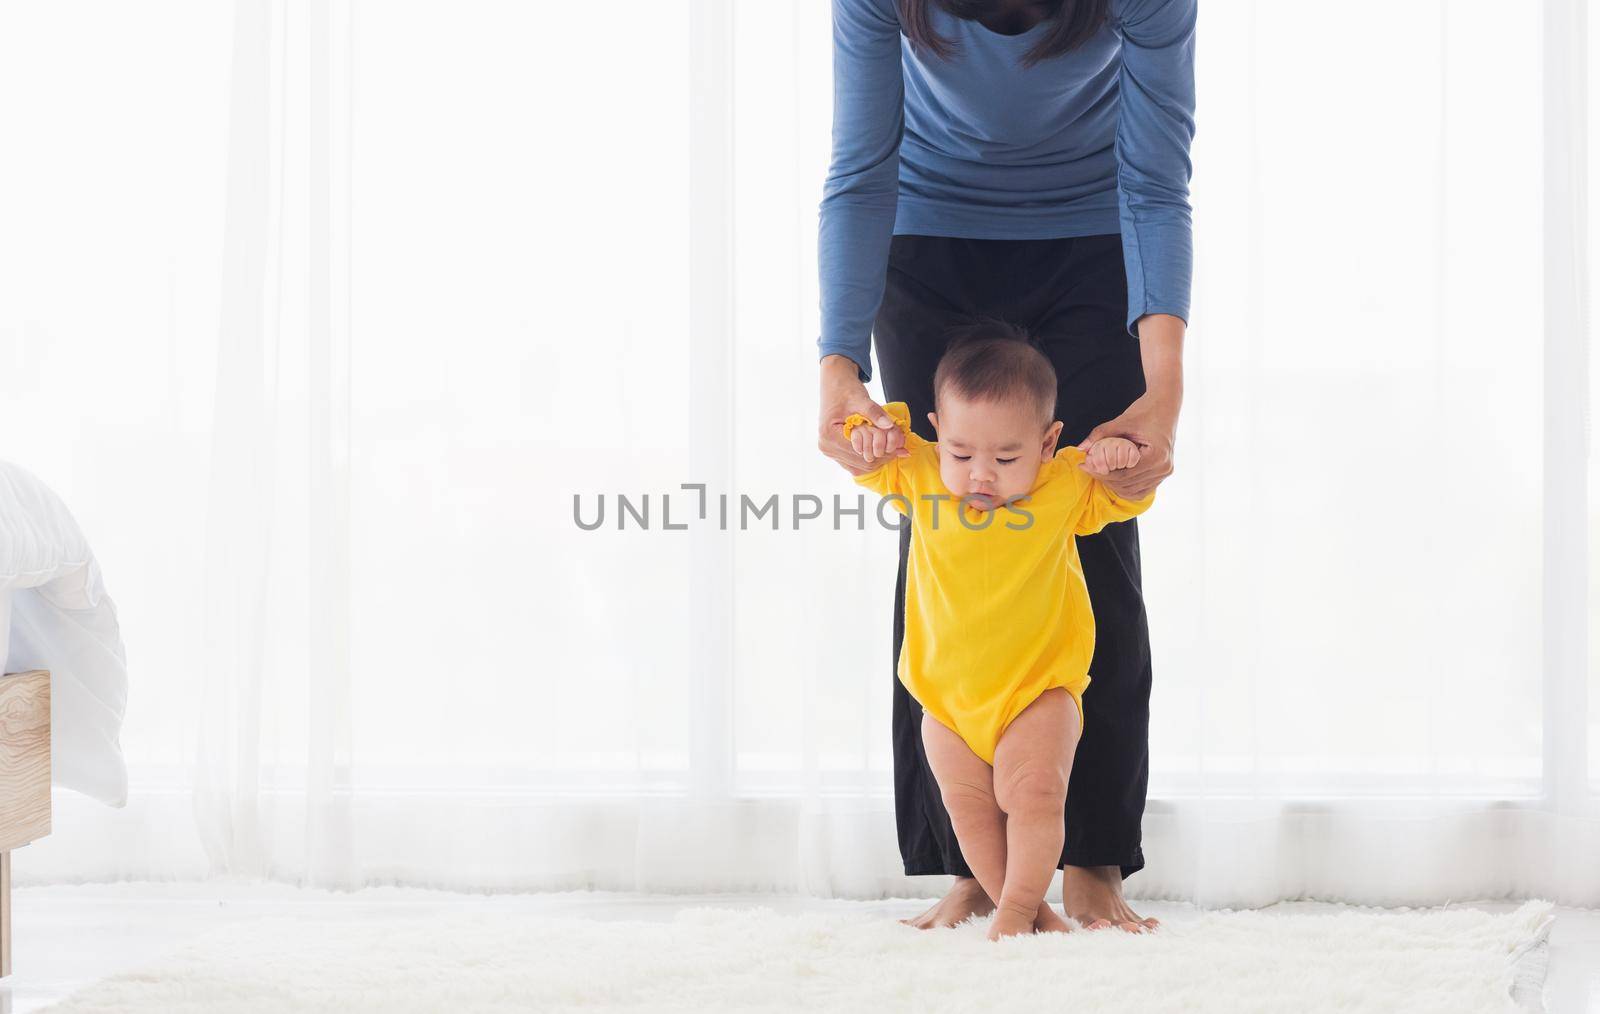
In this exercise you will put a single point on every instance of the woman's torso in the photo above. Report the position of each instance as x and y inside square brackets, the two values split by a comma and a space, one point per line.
[993, 148]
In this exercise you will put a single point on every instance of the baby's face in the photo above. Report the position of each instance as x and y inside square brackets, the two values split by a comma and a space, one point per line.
[991, 451]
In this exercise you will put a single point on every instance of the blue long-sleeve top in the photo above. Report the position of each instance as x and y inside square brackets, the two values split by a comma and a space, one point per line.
[1090, 142]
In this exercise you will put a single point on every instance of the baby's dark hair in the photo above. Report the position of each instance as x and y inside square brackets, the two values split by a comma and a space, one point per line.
[993, 360]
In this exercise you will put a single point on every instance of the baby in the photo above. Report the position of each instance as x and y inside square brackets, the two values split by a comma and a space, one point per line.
[998, 626]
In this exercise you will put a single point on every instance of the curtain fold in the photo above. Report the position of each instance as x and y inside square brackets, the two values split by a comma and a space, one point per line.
[387, 298]
[240, 508]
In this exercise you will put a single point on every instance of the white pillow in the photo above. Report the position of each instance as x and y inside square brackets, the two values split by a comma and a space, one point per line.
[61, 619]
[39, 540]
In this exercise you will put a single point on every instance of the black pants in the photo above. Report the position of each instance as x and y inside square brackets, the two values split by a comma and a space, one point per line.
[1073, 294]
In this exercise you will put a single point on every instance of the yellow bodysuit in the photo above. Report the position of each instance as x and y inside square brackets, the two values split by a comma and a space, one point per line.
[994, 615]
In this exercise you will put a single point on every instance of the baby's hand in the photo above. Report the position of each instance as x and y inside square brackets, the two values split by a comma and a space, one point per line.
[1111, 453]
[874, 442]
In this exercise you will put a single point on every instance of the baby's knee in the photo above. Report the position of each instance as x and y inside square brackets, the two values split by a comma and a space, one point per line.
[1031, 787]
[962, 798]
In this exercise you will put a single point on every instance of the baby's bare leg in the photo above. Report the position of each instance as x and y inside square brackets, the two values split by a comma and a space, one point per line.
[966, 784]
[1032, 765]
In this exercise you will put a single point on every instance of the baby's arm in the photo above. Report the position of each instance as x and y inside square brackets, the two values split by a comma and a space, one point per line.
[1103, 506]
[875, 442]
[889, 474]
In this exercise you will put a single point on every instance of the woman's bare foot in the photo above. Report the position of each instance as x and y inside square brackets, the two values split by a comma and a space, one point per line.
[1093, 896]
[964, 900]
[1012, 921]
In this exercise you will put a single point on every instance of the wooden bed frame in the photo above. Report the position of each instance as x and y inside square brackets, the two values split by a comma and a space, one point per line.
[24, 779]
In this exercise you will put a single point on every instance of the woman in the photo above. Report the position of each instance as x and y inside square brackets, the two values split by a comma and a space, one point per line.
[1029, 161]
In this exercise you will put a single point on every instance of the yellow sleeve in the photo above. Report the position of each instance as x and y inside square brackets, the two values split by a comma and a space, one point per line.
[1100, 506]
[893, 475]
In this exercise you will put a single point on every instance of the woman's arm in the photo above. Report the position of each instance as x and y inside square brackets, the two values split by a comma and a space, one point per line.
[1155, 127]
[856, 218]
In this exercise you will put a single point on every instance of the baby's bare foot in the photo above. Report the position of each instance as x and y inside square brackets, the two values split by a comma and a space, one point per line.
[1011, 920]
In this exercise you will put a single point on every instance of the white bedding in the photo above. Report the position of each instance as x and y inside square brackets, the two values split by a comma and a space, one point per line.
[60, 618]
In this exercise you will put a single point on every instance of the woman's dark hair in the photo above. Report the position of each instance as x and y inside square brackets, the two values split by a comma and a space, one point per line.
[992, 360]
[1073, 23]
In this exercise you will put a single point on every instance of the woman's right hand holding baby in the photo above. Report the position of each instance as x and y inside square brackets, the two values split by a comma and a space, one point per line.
[844, 394]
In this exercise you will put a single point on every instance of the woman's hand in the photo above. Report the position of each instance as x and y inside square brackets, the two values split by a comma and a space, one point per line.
[1151, 424]
[843, 393]
[1152, 420]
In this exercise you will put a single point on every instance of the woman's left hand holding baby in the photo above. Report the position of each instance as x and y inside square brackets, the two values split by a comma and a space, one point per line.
[1152, 420]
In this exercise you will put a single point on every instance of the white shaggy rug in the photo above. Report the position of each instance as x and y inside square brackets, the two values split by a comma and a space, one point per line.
[1456, 961]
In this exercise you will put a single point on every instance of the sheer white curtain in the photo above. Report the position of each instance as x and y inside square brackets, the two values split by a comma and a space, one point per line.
[321, 316]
